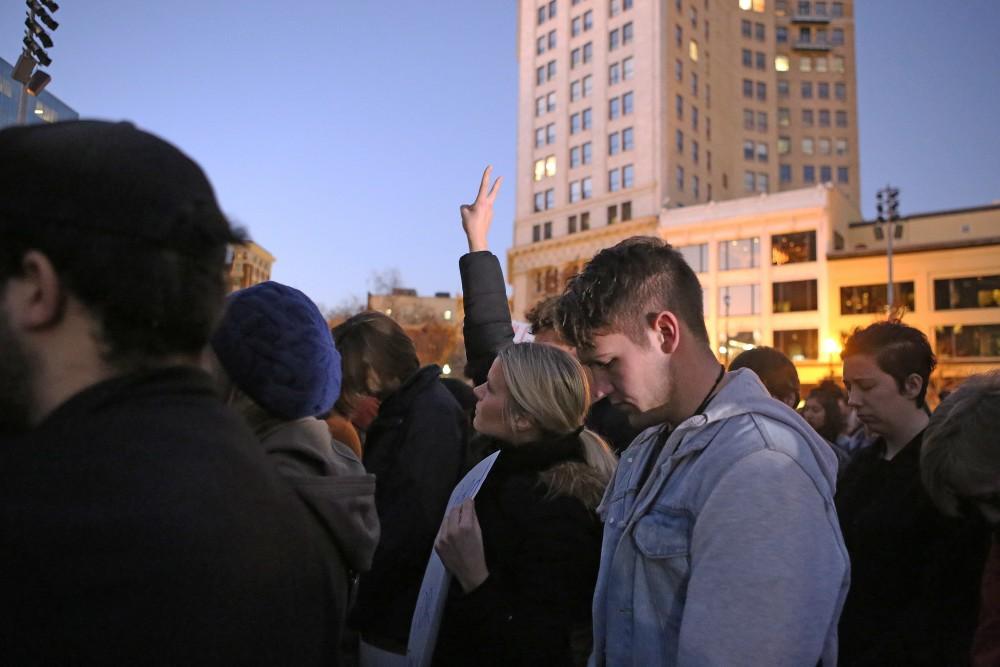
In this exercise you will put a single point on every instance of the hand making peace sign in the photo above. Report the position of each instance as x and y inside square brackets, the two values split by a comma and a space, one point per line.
[477, 216]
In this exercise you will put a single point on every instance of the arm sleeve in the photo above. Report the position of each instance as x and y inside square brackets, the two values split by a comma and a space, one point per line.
[524, 609]
[768, 569]
[487, 325]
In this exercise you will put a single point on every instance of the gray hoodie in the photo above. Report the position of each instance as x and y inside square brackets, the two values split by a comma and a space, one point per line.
[332, 482]
[730, 553]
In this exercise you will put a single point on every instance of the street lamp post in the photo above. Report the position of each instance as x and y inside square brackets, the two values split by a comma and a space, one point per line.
[887, 208]
[32, 80]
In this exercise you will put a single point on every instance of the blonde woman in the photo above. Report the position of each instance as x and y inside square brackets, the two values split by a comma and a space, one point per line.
[525, 554]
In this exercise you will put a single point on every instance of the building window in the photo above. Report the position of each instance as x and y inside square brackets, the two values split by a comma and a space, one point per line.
[761, 152]
[760, 60]
[588, 85]
[576, 26]
[798, 344]
[841, 119]
[586, 117]
[825, 173]
[783, 88]
[842, 175]
[550, 100]
[551, 70]
[824, 146]
[584, 221]
[614, 74]
[696, 256]
[539, 202]
[837, 64]
[794, 296]
[809, 173]
[695, 187]
[781, 35]
[539, 105]
[747, 58]
[747, 88]
[739, 254]
[678, 70]
[614, 108]
[785, 173]
[587, 153]
[971, 292]
[969, 340]
[574, 191]
[628, 139]
[628, 68]
[784, 117]
[694, 118]
[614, 180]
[824, 118]
[807, 90]
[837, 9]
[627, 103]
[807, 117]
[784, 145]
[628, 176]
[540, 46]
[805, 64]
[571, 225]
[627, 33]
[587, 188]
[763, 182]
[574, 123]
[781, 63]
[612, 214]
[823, 90]
[574, 58]
[866, 299]
[749, 181]
[694, 84]
[574, 157]
[739, 300]
[550, 198]
[680, 178]
[746, 29]
[679, 107]
[614, 143]
[841, 146]
[679, 141]
[539, 137]
[552, 8]
[840, 91]
[758, 32]
[546, 230]
[748, 149]
[837, 37]
[550, 133]
[540, 76]
[626, 211]
[694, 151]
[693, 50]
[574, 91]
[614, 40]
[536, 233]
[808, 146]
[761, 91]
[678, 36]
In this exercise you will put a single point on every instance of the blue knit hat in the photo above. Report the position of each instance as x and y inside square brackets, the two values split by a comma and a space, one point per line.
[276, 347]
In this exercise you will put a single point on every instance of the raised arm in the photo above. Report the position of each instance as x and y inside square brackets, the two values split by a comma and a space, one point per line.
[487, 324]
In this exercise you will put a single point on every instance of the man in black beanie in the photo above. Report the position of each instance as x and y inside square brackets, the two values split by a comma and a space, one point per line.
[139, 521]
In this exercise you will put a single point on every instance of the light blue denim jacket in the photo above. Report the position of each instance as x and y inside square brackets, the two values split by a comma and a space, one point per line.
[731, 553]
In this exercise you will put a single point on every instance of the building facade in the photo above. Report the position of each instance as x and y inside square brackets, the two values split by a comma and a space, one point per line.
[251, 265]
[792, 271]
[45, 108]
[628, 107]
[434, 323]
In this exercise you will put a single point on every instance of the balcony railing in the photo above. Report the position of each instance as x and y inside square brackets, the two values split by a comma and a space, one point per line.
[812, 45]
[810, 18]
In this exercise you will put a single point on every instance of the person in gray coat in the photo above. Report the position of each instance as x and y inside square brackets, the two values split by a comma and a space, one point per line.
[277, 364]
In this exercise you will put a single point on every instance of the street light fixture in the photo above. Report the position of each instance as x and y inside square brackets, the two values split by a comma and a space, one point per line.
[831, 348]
[34, 81]
[887, 209]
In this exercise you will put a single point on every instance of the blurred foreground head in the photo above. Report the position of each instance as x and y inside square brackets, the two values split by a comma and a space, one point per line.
[113, 253]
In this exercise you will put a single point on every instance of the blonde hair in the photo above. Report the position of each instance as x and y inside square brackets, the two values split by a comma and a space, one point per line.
[548, 386]
[960, 450]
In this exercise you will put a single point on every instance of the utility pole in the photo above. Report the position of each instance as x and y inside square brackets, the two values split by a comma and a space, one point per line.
[32, 80]
[887, 208]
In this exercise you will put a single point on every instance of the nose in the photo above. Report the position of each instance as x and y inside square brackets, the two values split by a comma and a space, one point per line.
[853, 398]
[600, 387]
[479, 391]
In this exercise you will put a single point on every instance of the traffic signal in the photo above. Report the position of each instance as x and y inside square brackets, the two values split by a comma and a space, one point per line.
[893, 204]
[34, 53]
[880, 205]
[34, 49]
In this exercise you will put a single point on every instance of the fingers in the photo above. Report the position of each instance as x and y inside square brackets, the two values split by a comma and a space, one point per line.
[485, 182]
[495, 190]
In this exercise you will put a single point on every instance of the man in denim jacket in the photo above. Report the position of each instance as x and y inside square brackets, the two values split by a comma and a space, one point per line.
[721, 542]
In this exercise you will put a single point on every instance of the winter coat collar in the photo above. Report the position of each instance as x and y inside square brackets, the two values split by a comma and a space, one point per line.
[540, 454]
[400, 400]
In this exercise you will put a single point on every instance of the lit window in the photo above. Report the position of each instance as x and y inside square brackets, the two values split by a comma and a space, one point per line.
[759, 5]
[805, 64]
[447, 314]
[693, 50]
[550, 165]
[784, 145]
[539, 169]
[746, 5]
[781, 63]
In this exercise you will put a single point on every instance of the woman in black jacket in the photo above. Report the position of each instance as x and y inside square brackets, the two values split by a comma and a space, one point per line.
[525, 554]
[416, 448]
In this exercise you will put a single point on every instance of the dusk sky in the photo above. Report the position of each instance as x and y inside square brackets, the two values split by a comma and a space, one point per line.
[345, 135]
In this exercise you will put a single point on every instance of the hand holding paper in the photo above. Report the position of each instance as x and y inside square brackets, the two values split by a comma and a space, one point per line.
[459, 545]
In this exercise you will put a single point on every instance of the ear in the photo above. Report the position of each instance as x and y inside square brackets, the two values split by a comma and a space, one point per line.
[36, 298]
[912, 386]
[668, 331]
[523, 424]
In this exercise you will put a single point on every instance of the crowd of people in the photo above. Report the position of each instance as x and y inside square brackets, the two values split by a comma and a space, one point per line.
[191, 478]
